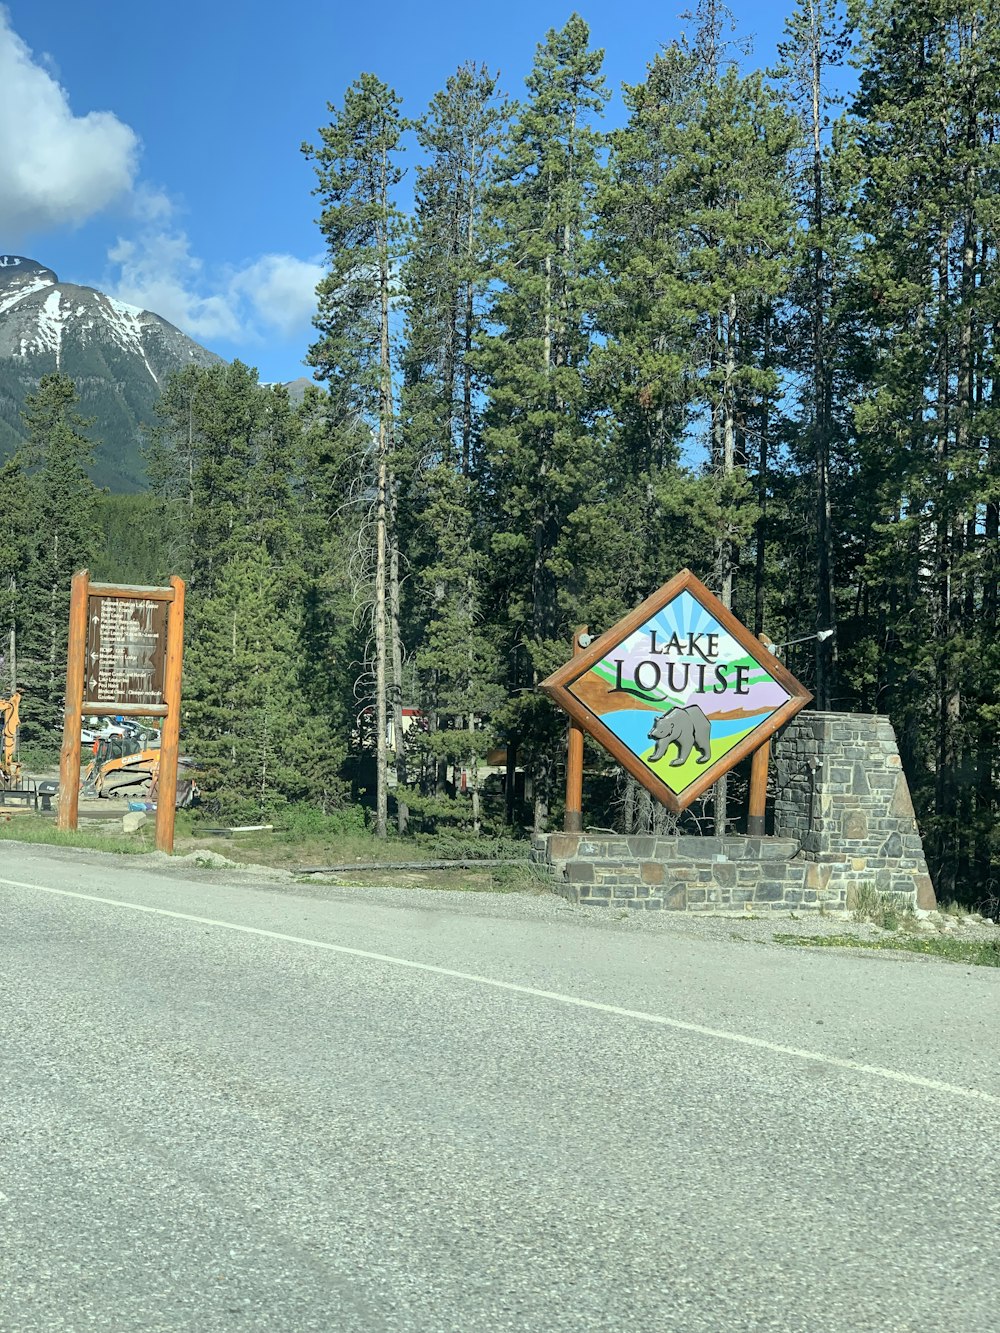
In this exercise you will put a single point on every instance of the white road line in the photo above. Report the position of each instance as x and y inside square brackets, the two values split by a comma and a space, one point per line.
[575, 1001]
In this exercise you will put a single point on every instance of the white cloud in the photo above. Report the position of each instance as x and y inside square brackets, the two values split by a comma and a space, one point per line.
[56, 169]
[156, 270]
[151, 206]
[281, 290]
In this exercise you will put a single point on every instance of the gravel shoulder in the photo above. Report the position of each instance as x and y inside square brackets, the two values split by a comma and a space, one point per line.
[539, 905]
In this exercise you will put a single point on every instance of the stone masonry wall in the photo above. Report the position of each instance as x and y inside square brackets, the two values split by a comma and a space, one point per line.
[843, 818]
[843, 797]
[677, 873]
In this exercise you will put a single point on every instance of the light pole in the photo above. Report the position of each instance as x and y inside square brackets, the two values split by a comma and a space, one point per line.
[821, 635]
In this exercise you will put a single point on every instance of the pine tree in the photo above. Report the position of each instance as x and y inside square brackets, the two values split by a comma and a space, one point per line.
[18, 529]
[357, 173]
[332, 645]
[705, 160]
[447, 266]
[540, 464]
[815, 43]
[136, 540]
[446, 277]
[231, 449]
[924, 126]
[655, 516]
[649, 338]
[58, 453]
[737, 233]
[243, 715]
[222, 458]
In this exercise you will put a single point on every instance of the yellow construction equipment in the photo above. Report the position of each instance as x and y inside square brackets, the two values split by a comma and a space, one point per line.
[123, 767]
[120, 764]
[15, 788]
[10, 718]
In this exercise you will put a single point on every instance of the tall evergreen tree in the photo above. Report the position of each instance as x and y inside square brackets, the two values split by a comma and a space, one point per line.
[925, 123]
[815, 43]
[642, 368]
[244, 718]
[356, 169]
[447, 266]
[58, 454]
[705, 162]
[446, 277]
[333, 645]
[737, 226]
[656, 515]
[231, 448]
[18, 529]
[540, 461]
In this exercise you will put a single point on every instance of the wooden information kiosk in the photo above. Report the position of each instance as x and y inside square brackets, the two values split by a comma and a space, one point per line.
[126, 649]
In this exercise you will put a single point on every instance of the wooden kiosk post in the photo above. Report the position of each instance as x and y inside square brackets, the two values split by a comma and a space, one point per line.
[166, 795]
[573, 817]
[76, 661]
[126, 649]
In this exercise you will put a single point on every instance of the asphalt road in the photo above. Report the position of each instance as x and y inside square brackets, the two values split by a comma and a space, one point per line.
[258, 1107]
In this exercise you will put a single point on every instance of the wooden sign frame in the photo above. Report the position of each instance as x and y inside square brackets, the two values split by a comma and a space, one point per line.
[169, 708]
[557, 686]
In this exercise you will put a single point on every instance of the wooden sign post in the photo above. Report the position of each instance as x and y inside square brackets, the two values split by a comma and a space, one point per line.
[126, 649]
[69, 756]
[573, 818]
[760, 761]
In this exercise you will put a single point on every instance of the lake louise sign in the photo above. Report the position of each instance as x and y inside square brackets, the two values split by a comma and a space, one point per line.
[678, 692]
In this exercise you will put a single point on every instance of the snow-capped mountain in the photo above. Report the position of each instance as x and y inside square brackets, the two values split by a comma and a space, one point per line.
[119, 357]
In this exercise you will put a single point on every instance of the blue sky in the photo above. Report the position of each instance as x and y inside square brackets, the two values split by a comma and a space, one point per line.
[153, 149]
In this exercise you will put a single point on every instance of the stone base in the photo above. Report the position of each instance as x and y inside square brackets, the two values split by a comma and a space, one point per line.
[843, 820]
[680, 873]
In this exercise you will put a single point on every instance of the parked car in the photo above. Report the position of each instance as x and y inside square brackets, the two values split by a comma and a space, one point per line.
[99, 729]
[106, 728]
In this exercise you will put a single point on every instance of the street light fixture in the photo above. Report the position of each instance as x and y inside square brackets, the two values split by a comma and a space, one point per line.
[821, 635]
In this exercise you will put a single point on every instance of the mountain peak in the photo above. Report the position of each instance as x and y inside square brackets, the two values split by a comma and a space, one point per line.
[118, 355]
[15, 268]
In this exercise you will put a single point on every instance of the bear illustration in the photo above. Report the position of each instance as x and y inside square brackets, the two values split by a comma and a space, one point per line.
[683, 727]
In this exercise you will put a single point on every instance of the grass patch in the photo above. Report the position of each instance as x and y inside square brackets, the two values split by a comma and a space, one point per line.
[954, 909]
[980, 953]
[29, 828]
[488, 879]
[310, 839]
[881, 909]
[526, 878]
[306, 838]
[448, 844]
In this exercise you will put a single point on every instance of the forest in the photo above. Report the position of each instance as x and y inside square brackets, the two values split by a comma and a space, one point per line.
[750, 331]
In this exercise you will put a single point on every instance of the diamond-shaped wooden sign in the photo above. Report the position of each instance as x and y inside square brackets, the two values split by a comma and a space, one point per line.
[678, 692]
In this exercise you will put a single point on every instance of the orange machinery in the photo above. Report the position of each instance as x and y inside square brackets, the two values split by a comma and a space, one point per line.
[10, 718]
